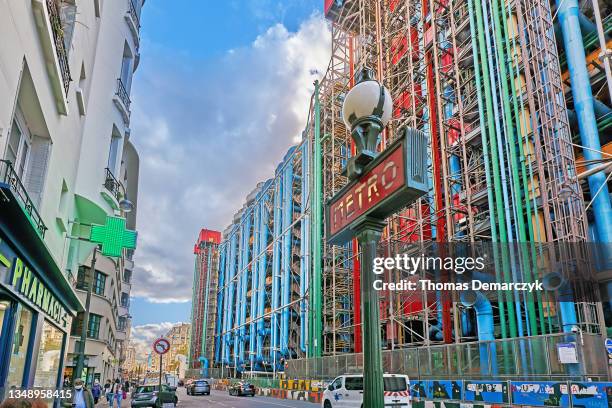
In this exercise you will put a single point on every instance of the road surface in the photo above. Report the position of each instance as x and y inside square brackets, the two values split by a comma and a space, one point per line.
[221, 399]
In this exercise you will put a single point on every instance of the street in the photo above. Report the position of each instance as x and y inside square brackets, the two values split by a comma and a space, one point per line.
[222, 399]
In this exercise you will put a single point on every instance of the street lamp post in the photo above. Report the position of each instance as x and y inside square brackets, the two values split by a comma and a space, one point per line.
[366, 111]
[78, 372]
[379, 185]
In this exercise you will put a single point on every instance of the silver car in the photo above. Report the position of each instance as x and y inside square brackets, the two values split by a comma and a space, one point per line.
[198, 387]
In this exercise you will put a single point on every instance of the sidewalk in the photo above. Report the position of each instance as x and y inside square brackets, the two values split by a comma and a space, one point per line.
[125, 403]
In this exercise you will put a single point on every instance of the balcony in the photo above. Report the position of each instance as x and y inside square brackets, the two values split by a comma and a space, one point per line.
[133, 21]
[114, 187]
[50, 30]
[10, 177]
[122, 101]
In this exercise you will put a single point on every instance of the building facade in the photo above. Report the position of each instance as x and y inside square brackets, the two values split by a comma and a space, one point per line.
[517, 115]
[67, 162]
[205, 281]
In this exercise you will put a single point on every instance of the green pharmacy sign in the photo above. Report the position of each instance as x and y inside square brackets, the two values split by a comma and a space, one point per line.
[113, 236]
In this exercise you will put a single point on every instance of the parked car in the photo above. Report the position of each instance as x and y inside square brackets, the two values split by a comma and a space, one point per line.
[150, 396]
[198, 387]
[241, 388]
[347, 391]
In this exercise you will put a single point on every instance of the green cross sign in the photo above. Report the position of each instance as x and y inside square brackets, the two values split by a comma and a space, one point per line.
[113, 236]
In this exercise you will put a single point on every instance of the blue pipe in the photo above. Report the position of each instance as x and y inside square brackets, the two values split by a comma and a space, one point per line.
[276, 263]
[205, 365]
[244, 278]
[304, 248]
[230, 294]
[254, 280]
[239, 276]
[261, 271]
[486, 330]
[287, 219]
[568, 12]
[218, 326]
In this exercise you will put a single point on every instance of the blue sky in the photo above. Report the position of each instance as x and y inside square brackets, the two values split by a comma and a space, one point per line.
[221, 93]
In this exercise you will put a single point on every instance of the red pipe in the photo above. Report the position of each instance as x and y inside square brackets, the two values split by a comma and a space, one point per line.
[437, 178]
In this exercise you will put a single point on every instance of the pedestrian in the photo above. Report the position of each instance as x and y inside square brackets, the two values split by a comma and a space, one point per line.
[81, 396]
[126, 386]
[116, 394]
[96, 390]
[107, 388]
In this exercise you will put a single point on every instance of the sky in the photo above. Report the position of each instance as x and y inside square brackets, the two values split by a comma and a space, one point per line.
[221, 92]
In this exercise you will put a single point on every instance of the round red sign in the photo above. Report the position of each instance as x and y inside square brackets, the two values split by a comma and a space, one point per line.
[161, 346]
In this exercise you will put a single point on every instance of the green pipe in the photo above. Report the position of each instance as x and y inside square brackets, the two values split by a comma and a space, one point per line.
[514, 165]
[525, 183]
[317, 234]
[503, 237]
[485, 152]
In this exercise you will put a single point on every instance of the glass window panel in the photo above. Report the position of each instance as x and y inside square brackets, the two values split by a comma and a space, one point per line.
[49, 357]
[21, 339]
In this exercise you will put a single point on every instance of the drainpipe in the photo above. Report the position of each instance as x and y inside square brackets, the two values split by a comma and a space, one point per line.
[245, 279]
[304, 246]
[486, 331]
[261, 271]
[583, 103]
[276, 264]
[286, 257]
[254, 277]
[239, 275]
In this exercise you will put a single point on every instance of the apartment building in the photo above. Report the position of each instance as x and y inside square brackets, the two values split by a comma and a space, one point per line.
[67, 162]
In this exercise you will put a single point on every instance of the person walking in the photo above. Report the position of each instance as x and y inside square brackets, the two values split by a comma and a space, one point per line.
[107, 388]
[81, 396]
[116, 394]
[96, 390]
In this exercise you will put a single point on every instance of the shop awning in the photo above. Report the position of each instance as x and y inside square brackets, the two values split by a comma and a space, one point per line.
[25, 235]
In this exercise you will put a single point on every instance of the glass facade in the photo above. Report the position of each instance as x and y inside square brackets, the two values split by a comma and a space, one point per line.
[49, 356]
[19, 349]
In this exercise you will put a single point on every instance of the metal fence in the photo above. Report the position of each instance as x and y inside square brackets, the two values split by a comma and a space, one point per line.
[529, 358]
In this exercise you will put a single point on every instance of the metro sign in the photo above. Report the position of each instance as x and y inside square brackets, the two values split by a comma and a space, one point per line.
[393, 180]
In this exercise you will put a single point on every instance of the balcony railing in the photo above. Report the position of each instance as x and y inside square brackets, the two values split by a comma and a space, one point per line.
[58, 39]
[10, 177]
[113, 185]
[133, 13]
[122, 93]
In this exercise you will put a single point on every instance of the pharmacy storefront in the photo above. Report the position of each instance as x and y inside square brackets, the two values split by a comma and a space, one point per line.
[36, 307]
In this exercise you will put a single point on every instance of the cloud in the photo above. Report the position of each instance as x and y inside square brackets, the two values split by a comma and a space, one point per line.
[207, 130]
[144, 335]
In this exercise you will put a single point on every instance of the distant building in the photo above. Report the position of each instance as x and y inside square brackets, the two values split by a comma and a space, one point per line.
[204, 298]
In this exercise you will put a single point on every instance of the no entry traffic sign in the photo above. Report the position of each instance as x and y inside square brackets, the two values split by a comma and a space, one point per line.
[161, 346]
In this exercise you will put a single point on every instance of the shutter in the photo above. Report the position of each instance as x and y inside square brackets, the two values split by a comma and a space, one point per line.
[37, 168]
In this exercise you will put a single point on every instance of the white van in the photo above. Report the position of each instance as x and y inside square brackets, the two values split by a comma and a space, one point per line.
[346, 391]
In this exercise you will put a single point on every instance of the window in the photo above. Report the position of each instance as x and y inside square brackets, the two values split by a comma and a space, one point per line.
[18, 147]
[125, 300]
[99, 283]
[336, 384]
[395, 384]
[113, 152]
[21, 339]
[122, 323]
[353, 383]
[49, 356]
[93, 326]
